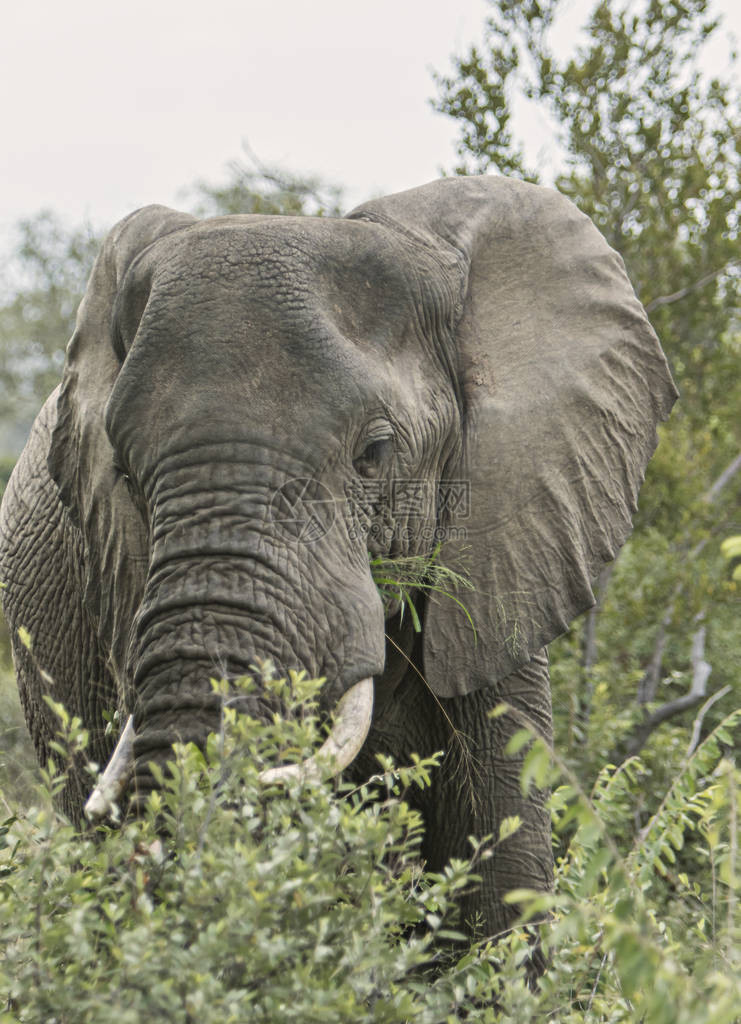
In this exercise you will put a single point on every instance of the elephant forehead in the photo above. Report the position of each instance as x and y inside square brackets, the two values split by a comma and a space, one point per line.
[292, 269]
[273, 315]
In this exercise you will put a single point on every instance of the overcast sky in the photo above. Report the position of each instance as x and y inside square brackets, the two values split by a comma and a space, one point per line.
[107, 106]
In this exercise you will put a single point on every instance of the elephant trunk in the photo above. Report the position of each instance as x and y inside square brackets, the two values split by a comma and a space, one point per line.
[201, 619]
[216, 604]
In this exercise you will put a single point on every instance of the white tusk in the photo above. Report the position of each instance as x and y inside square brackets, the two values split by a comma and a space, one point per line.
[351, 726]
[113, 780]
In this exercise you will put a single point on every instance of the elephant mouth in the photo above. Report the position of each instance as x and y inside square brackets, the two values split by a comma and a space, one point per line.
[348, 733]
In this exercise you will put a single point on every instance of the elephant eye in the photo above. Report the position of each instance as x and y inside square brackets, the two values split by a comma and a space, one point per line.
[120, 469]
[375, 457]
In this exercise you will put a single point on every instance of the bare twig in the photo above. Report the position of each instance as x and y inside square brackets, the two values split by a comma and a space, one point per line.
[697, 725]
[589, 649]
[310, 186]
[701, 670]
[593, 993]
[732, 857]
[666, 300]
[590, 631]
[728, 473]
[650, 681]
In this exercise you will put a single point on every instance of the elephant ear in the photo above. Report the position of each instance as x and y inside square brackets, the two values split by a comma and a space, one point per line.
[563, 383]
[80, 458]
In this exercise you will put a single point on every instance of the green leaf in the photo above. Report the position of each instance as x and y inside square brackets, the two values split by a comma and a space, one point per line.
[536, 767]
[518, 740]
[508, 826]
[24, 636]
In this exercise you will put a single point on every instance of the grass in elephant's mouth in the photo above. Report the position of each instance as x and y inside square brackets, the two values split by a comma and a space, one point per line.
[398, 578]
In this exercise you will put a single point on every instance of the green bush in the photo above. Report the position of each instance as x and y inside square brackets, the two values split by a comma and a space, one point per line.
[18, 769]
[263, 903]
[634, 937]
[237, 901]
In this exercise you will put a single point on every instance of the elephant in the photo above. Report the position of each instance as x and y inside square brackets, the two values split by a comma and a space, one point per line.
[254, 407]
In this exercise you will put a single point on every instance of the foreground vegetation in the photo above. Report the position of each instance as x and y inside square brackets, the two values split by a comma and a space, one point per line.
[233, 901]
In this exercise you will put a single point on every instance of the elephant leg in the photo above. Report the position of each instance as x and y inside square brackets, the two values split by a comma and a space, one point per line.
[41, 563]
[476, 786]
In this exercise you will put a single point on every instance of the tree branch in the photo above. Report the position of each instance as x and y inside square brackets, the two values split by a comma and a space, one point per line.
[589, 656]
[701, 670]
[589, 646]
[308, 185]
[666, 300]
[650, 681]
[697, 725]
[728, 474]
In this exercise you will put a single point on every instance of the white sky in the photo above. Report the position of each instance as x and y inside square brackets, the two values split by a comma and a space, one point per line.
[107, 106]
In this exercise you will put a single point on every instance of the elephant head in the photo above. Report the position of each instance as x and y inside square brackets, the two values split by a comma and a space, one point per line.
[250, 405]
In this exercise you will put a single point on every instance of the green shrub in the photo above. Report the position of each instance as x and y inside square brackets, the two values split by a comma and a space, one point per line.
[282, 903]
[633, 937]
[235, 901]
[18, 769]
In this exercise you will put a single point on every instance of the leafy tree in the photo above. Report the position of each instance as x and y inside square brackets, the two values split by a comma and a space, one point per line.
[651, 150]
[44, 283]
[254, 187]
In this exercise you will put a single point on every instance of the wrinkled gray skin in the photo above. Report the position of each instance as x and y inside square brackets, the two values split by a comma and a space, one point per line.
[478, 331]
